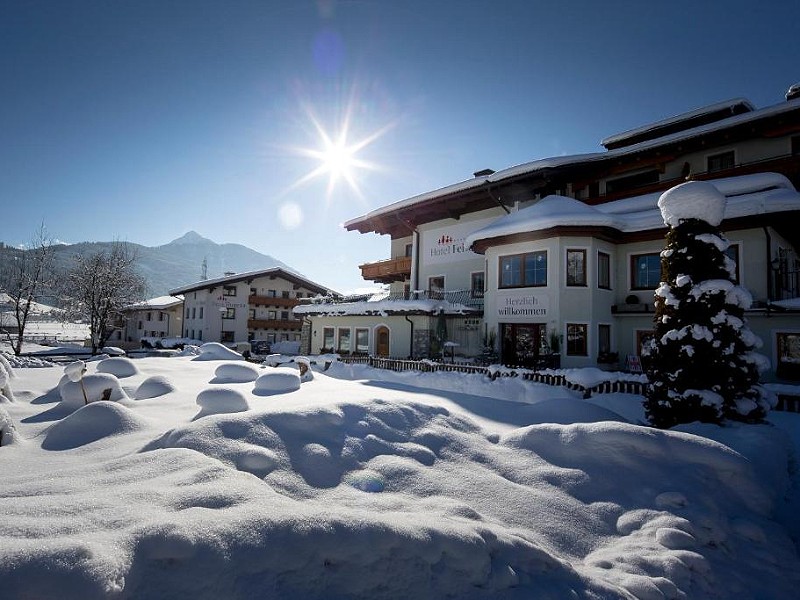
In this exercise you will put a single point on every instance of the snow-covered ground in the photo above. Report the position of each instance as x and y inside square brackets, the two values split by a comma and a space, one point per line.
[216, 478]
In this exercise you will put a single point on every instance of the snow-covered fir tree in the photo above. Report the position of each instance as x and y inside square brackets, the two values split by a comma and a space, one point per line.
[702, 364]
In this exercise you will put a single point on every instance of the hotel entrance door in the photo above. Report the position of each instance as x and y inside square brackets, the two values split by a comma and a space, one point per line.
[522, 344]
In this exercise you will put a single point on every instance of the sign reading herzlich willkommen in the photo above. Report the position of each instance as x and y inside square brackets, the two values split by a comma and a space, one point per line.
[521, 306]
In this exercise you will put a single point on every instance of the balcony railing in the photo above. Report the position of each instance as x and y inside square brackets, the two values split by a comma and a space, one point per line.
[465, 297]
[274, 324]
[272, 301]
[387, 271]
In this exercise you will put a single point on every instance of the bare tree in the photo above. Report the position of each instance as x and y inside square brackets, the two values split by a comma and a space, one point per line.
[22, 276]
[99, 285]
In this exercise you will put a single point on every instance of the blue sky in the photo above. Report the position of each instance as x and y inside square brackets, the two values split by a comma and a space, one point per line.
[142, 120]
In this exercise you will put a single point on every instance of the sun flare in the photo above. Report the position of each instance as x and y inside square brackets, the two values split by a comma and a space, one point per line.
[336, 156]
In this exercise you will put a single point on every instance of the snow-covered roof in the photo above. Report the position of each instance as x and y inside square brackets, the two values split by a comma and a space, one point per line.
[532, 167]
[746, 195]
[671, 121]
[788, 304]
[384, 307]
[237, 277]
[157, 303]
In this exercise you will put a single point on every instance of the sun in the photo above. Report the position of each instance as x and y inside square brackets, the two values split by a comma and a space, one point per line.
[337, 156]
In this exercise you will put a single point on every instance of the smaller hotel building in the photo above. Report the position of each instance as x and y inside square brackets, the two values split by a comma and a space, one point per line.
[247, 307]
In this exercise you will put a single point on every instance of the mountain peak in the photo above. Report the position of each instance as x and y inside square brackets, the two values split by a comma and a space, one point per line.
[190, 237]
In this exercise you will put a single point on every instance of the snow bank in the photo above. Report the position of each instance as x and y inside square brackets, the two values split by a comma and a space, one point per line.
[213, 401]
[278, 380]
[236, 373]
[90, 423]
[118, 366]
[154, 386]
[216, 351]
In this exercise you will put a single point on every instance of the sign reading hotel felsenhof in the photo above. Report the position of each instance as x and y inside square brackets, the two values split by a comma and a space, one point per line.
[521, 306]
[446, 245]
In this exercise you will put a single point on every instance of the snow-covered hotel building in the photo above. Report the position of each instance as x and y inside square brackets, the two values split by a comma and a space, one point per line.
[246, 307]
[149, 320]
[565, 250]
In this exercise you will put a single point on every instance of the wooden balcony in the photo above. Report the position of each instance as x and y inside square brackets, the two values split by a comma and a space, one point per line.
[292, 324]
[387, 271]
[270, 301]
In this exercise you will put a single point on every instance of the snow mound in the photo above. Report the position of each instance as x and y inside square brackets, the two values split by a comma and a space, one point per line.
[112, 351]
[216, 351]
[119, 366]
[5, 365]
[190, 350]
[7, 433]
[95, 385]
[152, 387]
[220, 400]
[692, 200]
[90, 423]
[277, 380]
[5, 386]
[238, 372]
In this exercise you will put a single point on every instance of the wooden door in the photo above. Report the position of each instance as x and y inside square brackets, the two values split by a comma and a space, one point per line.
[382, 341]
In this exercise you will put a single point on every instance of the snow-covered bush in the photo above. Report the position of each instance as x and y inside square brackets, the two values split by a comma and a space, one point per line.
[276, 381]
[702, 364]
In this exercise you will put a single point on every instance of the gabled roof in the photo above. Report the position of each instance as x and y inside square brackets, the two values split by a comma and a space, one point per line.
[250, 275]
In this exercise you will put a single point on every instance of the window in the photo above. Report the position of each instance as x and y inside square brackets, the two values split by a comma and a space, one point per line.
[200, 334]
[576, 267]
[229, 290]
[284, 315]
[631, 182]
[733, 253]
[201, 312]
[271, 293]
[187, 312]
[603, 270]
[139, 326]
[362, 341]
[272, 315]
[645, 271]
[271, 338]
[253, 291]
[251, 313]
[160, 316]
[284, 337]
[409, 249]
[227, 336]
[436, 287]
[720, 162]
[576, 339]
[788, 346]
[603, 338]
[477, 285]
[285, 294]
[344, 340]
[194, 313]
[524, 270]
[327, 338]
[229, 313]
[149, 317]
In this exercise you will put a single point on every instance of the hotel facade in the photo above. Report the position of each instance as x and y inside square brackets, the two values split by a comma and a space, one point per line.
[560, 256]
